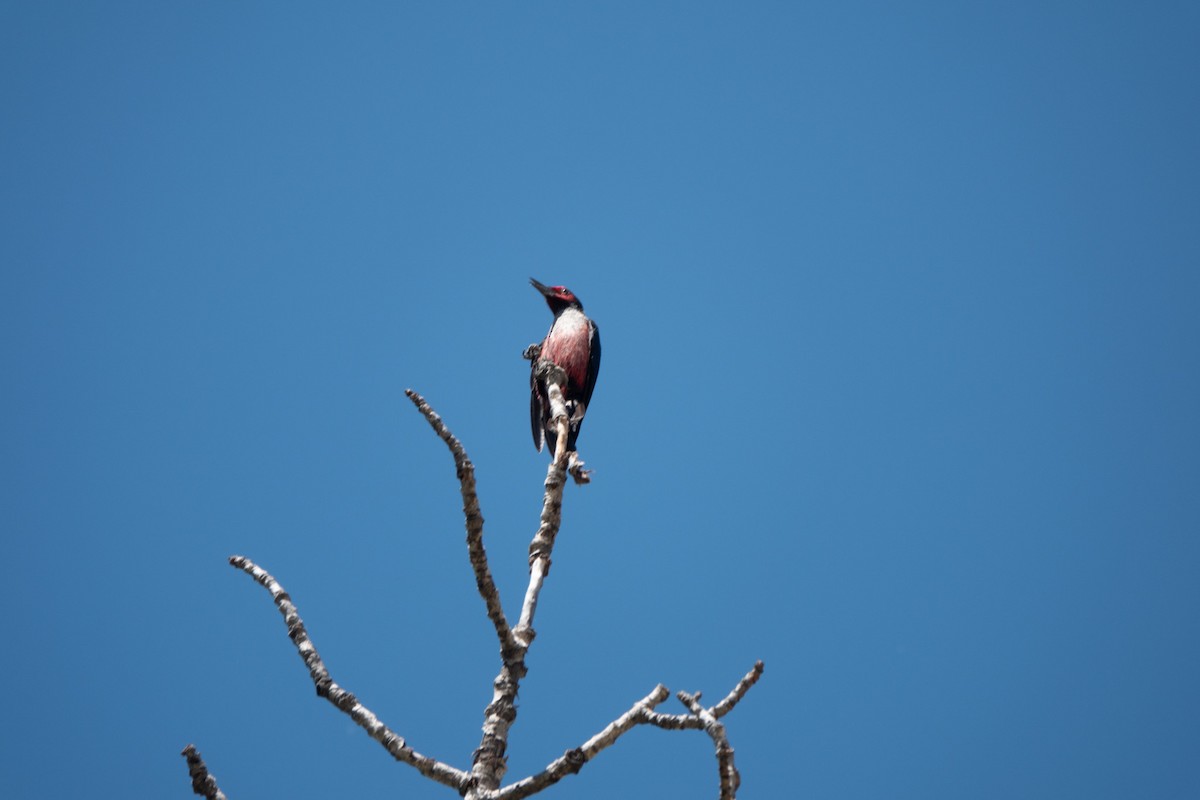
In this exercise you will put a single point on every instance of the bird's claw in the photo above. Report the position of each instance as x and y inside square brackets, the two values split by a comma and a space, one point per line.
[575, 468]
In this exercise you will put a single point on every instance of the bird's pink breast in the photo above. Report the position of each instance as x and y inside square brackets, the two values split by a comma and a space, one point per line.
[567, 345]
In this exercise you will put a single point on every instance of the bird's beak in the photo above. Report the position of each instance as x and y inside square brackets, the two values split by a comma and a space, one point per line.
[541, 287]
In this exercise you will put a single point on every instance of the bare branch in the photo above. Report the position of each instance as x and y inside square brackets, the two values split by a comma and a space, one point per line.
[572, 761]
[491, 761]
[705, 719]
[634, 716]
[725, 706]
[643, 713]
[728, 774]
[474, 523]
[344, 700]
[674, 722]
[541, 548]
[203, 783]
[558, 413]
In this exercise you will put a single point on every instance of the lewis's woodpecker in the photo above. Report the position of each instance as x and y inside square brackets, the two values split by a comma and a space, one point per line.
[573, 344]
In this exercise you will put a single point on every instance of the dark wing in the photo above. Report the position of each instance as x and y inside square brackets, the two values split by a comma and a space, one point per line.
[593, 369]
[593, 363]
[536, 409]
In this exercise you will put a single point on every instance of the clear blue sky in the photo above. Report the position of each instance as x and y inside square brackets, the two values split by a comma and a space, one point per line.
[900, 389]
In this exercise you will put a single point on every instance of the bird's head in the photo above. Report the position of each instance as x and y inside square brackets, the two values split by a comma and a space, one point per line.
[557, 297]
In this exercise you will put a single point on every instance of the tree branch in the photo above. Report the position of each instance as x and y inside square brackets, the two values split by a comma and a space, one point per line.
[474, 523]
[541, 548]
[491, 761]
[558, 412]
[643, 713]
[344, 700]
[706, 719]
[734, 697]
[729, 778]
[203, 783]
[572, 761]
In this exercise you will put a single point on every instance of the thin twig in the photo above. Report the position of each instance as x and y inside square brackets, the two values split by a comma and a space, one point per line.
[474, 523]
[725, 706]
[344, 700]
[203, 783]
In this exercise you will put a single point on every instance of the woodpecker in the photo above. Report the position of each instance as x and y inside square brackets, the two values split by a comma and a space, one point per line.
[573, 344]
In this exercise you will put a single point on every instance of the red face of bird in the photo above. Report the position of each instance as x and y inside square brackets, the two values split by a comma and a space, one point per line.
[557, 297]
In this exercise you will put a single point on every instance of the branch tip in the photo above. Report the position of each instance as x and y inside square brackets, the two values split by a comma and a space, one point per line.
[203, 783]
[473, 520]
[739, 691]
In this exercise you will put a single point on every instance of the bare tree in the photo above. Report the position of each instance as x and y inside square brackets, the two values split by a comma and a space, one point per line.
[483, 780]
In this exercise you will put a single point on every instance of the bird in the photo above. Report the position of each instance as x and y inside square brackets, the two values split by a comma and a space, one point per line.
[573, 344]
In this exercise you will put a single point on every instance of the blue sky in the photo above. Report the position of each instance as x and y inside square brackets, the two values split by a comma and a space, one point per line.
[899, 392]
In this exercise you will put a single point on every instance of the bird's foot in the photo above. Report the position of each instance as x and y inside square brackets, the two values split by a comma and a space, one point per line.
[575, 467]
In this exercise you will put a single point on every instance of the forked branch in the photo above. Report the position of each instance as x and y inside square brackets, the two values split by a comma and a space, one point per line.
[572, 761]
[706, 720]
[490, 759]
[727, 773]
[643, 713]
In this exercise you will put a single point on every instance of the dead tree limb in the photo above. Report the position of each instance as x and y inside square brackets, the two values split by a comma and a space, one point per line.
[490, 759]
[474, 523]
[734, 697]
[573, 760]
[342, 699]
[643, 713]
[727, 773]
